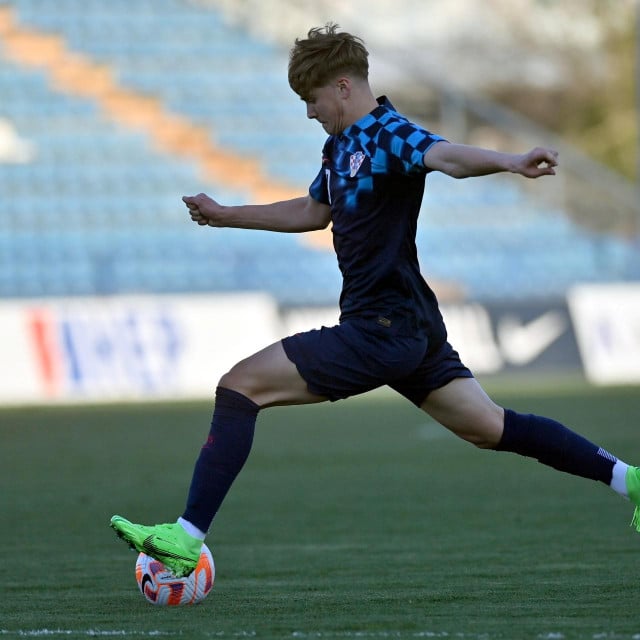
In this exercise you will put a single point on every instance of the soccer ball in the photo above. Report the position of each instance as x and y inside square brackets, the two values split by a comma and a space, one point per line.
[159, 586]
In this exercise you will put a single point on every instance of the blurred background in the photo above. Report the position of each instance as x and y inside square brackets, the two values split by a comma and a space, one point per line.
[110, 111]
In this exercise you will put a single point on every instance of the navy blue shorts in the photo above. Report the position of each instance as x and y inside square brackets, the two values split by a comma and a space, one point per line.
[360, 355]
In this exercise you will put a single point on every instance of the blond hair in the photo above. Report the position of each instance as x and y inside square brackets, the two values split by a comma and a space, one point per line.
[322, 56]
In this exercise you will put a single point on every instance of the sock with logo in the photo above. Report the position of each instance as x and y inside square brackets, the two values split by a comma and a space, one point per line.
[222, 456]
[551, 443]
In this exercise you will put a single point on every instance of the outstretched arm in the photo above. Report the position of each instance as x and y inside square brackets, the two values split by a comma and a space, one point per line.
[463, 161]
[290, 216]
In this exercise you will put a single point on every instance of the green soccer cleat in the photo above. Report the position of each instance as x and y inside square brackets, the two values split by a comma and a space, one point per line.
[168, 543]
[632, 480]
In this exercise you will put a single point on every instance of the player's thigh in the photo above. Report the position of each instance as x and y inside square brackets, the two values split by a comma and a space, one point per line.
[464, 408]
[269, 378]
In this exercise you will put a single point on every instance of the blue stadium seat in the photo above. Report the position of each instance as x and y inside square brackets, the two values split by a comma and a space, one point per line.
[98, 211]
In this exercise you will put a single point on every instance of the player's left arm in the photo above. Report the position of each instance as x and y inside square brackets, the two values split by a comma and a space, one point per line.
[464, 161]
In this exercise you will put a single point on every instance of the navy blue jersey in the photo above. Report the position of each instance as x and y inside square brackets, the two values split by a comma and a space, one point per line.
[373, 179]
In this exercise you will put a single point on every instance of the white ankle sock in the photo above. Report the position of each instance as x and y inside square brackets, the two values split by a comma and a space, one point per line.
[618, 483]
[191, 529]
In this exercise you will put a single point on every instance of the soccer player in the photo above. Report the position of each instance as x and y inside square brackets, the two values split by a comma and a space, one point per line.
[370, 188]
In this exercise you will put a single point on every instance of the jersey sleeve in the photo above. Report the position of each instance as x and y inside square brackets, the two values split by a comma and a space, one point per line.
[319, 189]
[401, 147]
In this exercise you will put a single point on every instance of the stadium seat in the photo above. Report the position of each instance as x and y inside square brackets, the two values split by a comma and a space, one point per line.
[97, 209]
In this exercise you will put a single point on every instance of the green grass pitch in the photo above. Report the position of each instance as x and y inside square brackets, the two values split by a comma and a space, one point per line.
[361, 519]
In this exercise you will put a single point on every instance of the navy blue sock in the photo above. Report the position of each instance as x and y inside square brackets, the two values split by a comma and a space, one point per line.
[556, 446]
[222, 456]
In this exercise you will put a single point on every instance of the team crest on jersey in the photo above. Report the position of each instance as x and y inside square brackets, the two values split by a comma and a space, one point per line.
[355, 162]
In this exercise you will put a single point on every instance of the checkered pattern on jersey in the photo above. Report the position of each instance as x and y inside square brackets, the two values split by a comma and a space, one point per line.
[382, 142]
[373, 178]
[391, 141]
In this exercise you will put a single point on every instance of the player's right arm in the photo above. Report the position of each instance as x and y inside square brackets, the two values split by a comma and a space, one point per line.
[289, 216]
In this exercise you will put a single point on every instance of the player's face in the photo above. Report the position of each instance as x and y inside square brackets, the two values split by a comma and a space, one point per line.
[326, 106]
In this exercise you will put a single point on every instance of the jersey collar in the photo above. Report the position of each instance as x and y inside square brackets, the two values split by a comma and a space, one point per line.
[384, 104]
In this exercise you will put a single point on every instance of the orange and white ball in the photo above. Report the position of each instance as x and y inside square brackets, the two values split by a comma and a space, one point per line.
[160, 587]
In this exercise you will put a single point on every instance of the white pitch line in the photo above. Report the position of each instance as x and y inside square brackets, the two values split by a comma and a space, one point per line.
[297, 635]
[89, 633]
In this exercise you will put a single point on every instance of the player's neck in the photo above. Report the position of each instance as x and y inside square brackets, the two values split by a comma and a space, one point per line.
[362, 102]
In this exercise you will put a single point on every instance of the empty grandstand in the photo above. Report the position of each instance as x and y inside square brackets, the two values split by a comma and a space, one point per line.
[114, 110]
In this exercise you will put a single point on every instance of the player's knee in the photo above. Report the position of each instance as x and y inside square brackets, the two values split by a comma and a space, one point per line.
[484, 441]
[235, 381]
[481, 440]
[243, 379]
[484, 434]
[490, 435]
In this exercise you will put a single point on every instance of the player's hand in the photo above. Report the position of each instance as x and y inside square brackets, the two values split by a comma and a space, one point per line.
[203, 209]
[538, 162]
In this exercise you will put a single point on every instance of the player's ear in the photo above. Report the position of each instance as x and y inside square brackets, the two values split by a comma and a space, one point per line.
[343, 85]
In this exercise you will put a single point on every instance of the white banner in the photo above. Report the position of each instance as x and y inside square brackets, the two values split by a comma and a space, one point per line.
[128, 347]
[167, 347]
[607, 326]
